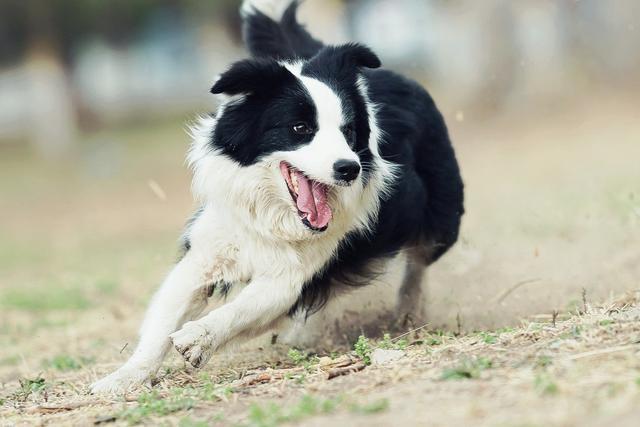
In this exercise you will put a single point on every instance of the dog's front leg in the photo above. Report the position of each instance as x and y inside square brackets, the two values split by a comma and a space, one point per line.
[181, 297]
[263, 301]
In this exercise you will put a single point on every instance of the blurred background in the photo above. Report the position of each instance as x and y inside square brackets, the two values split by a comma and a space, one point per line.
[74, 67]
[541, 97]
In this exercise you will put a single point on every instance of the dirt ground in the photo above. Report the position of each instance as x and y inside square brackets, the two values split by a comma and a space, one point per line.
[552, 226]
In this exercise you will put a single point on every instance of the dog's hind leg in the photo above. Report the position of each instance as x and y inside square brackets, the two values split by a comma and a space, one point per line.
[182, 296]
[410, 303]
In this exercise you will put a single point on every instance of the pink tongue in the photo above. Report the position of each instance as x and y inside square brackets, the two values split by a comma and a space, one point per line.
[312, 200]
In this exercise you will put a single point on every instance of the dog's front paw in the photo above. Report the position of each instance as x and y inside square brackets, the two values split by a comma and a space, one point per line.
[121, 381]
[194, 343]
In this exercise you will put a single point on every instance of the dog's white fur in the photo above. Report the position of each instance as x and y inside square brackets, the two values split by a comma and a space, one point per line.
[249, 233]
[274, 9]
[317, 159]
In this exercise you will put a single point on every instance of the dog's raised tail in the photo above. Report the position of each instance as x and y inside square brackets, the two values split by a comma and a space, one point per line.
[271, 30]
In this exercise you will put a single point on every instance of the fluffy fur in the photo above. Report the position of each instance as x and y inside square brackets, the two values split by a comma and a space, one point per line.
[382, 180]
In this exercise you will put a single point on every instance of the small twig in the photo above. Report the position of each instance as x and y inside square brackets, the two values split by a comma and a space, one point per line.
[459, 324]
[603, 351]
[409, 332]
[105, 419]
[584, 300]
[501, 297]
[346, 370]
[59, 407]
[125, 346]
[554, 317]
[340, 363]
[157, 189]
[261, 378]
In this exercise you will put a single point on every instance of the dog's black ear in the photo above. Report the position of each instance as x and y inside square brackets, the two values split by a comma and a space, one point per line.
[251, 76]
[345, 58]
[359, 55]
[343, 62]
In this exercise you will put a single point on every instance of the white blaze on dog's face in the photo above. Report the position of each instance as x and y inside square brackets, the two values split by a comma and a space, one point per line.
[327, 161]
[329, 144]
[308, 122]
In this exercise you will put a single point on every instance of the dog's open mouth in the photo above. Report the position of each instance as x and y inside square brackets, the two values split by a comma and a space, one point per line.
[309, 196]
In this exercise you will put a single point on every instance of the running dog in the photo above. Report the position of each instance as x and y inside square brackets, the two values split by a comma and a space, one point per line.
[317, 169]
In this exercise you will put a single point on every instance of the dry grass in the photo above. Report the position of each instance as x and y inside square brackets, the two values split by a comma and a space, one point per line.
[84, 241]
[527, 375]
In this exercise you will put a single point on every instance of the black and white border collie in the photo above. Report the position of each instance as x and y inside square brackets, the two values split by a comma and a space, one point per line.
[317, 169]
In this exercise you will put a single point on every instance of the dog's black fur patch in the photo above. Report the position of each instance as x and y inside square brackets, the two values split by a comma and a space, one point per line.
[286, 39]
[273, 100]
[425, 205]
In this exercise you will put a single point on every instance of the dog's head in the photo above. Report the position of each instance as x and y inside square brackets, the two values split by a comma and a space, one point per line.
[300, 133]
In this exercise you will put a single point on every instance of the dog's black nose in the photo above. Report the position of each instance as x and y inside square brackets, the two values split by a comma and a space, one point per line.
[346, 170]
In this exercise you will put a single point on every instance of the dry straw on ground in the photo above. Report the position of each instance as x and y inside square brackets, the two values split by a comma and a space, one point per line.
[530, 375]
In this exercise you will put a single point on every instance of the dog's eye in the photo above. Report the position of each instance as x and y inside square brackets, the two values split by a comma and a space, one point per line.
[349, 132]
[302, 128]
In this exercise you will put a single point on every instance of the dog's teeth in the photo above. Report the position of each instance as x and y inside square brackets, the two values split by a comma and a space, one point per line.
[294, 182]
